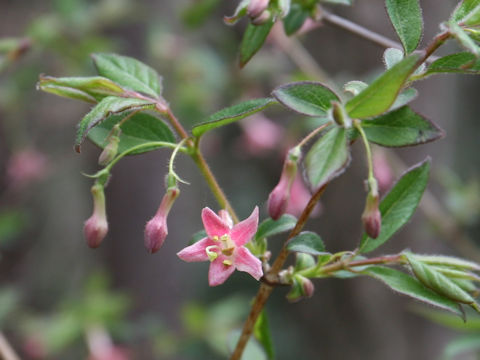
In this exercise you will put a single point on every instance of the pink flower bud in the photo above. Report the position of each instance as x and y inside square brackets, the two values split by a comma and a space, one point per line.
[96, 227]
[256, 7]
[156, 229]
[307, 287]
[371, 217]
[278, 198]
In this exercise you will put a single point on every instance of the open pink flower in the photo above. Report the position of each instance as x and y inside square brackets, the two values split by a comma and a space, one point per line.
[224, 246]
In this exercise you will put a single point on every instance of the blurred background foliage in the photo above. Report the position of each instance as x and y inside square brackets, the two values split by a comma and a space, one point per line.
[61, 300]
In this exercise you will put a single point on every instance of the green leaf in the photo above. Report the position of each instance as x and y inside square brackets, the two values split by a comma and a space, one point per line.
[295, 19]
[306, 97]
[327, 158]
[270, 227]
[404, 98]
[401, 127]
[391, 57]
[473, 18]
[438, 282]
[129, 73]
[108, 106]
[355, 87]
[307, 242]
[262, 333]
[253, 39]
[464, 8]
[90, 89]
[405, 284]
[406, 17]
[381, 94]
[231, 114]
[141, 128]
[463, 63]
[399, 205]
[450, 261]
[464, 40]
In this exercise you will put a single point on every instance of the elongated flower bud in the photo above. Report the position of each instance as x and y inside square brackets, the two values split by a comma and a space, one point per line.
[302, 287]
[371, 217]
[96, 227]
[111, 149]
[256, 7]
[156, 229]
[278, 198]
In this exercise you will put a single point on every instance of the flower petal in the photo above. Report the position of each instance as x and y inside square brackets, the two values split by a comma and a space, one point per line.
[242, 232]
[219, 272]
[214, 225]
[196, 252]
[245, 261]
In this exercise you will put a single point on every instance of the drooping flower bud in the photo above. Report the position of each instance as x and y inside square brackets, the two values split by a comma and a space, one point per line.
[371, 217]
[111, 149]
[302, 287]
[278, 198]
[256, 7]
[96, 227]
[156, 229]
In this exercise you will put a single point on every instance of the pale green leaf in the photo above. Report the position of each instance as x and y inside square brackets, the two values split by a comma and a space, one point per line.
[307, 242]
[253, 39]
[270, 227]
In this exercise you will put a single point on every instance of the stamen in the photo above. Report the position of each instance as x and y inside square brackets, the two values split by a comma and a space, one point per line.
[228, 251]
[225, 237]
[227, 262]
[212, 255]
[215, 238]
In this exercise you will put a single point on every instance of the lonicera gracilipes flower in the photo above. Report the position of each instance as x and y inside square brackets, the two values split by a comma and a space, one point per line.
[371, 217]
[224, 246]
[278, 198]
[96, 227]
[156, 229]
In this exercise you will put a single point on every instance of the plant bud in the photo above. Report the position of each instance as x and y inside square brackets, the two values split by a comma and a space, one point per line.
[278, 198]
[371, 217]
[156, 229]
[301, 287]
[96, 227]
[111, 149]
[340, 115]
[256, 7]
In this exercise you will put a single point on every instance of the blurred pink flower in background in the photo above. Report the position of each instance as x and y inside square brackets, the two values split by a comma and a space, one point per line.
[25, 167]
[382, 170]
[101, 346]
[260, 135]
[299, 197]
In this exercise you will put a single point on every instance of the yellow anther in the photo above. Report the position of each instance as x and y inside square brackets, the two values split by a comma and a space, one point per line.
[228, 251]
[215, 238]
[227, 262]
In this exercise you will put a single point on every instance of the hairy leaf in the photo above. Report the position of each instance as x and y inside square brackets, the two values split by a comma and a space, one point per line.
[399, 205]
[401, 127]
[141, 128]
[231, 114]
[355, 87]
[253, 39]
[404, 98]
[438, 282]
[391, 57]
[406, 17]
[464, 8]
[128, 73]
[108, 106]
[448, 261]
[307, 242]
[328, 157]
[90, 89]
[405, 284]
[463, 63]
[270, 227]
[381, 94]
[306, 97]
[464, 40]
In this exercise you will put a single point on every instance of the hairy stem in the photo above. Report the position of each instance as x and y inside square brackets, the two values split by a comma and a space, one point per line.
[266, 288]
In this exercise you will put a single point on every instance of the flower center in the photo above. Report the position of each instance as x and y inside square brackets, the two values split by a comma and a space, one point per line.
[225, 245]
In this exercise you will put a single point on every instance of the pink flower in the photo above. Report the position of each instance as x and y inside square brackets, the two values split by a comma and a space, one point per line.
[224, 246]
[96, 226]
[260, 136]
